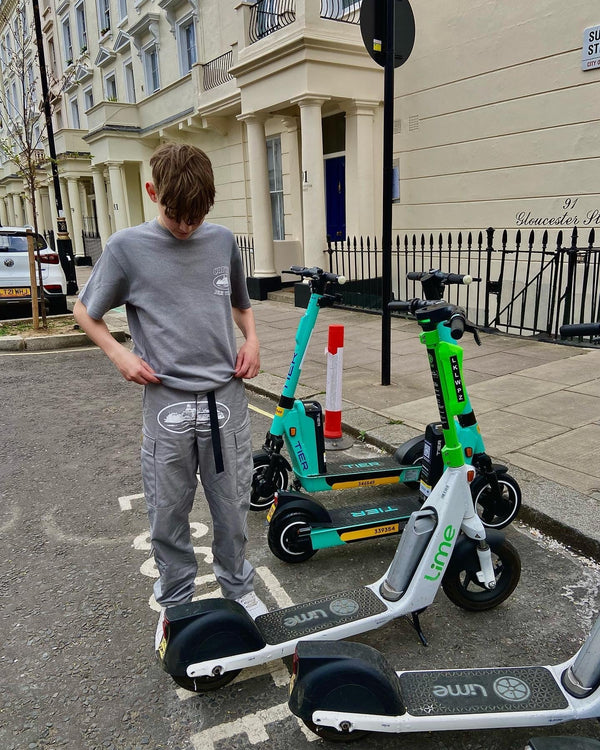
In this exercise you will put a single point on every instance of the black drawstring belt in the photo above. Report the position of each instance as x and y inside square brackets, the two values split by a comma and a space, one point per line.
[214, 432]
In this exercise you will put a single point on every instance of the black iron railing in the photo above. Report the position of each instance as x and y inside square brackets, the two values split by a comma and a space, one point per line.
[216, 72]
[528, 285]
[246, 245]
[268, 16]
[341, 10]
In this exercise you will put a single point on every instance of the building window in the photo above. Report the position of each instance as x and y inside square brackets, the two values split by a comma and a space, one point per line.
[122, 9]
[110, 88]
[67, 41]
[151, 71]
[276, 186]
[75, 113]
[88, 98]
[81, 27]
[51, 55]
[186, 36]
[129, 82]
[103, 16]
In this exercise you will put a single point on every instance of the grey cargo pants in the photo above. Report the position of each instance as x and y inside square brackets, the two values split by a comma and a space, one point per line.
[176, 443]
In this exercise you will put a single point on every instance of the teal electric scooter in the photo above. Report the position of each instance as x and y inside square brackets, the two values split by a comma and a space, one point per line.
[300, 525]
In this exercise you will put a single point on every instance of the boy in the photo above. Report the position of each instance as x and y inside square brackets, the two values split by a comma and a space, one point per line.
[182, 282]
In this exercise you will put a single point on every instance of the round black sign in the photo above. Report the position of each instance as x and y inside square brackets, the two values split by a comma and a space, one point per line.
[373, 17]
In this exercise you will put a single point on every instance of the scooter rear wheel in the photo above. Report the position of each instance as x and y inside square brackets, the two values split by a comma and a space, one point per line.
[261, 493]
[205, 684]
[334, 735]
[283, 536]
[460, 582]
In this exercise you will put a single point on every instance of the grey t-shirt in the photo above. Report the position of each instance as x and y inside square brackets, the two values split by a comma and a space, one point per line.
[178, 295]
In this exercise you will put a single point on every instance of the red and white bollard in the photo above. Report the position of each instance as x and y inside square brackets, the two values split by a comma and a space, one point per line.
[332, 430]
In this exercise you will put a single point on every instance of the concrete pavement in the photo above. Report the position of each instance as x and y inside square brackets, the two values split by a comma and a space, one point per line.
[538, 404]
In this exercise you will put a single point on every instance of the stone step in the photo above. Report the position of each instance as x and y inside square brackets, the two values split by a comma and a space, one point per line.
[283, 295]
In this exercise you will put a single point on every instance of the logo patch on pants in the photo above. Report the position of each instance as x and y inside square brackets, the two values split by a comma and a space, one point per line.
[189, 415]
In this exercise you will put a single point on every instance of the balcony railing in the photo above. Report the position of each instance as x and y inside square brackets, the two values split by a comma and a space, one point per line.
[216, 72]
[341, 10]
[267, 16]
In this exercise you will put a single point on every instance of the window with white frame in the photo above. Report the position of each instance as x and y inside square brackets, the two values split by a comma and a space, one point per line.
[75, 121]
[67, 41]
[110, 87]
[276, 186]
[88, 99]
[58, 118]
[81, 26]
[129, 81]
[103, 16]
[15, 98]
[186, 42]
[122, 5]
[151, 70]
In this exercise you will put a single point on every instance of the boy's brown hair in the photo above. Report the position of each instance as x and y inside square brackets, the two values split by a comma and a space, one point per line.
[183, 179]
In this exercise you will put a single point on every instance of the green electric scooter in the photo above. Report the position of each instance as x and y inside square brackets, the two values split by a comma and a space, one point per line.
[300, 525]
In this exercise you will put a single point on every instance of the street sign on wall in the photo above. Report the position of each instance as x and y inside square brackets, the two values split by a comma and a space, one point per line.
[590, 57]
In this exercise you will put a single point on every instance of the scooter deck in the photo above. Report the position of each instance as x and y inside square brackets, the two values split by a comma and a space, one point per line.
[383, 470]
[373, 514]
[481, 691]
[327, 612]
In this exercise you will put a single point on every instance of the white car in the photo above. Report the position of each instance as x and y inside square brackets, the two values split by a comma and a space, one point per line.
[15, 281]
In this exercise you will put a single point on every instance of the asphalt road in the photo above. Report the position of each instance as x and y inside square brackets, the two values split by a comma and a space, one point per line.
[76, 656]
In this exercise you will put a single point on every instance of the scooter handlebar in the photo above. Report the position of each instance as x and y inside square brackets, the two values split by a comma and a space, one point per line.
[445, 278]
[457, 327]
[580, 329]
[316, 273]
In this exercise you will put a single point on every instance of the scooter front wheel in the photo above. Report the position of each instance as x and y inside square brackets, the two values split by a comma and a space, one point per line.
[285, 538]
[413, 457]
[460, 581]
[262, 492]
[496, 513]
[205, 684]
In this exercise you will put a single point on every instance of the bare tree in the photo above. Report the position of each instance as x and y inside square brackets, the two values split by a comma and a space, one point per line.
[23, 124]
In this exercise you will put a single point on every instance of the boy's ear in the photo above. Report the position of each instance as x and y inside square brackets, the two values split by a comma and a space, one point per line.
[151, 190]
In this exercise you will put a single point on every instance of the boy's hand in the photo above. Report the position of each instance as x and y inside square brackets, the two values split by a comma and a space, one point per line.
[247, 363]
[133, 368]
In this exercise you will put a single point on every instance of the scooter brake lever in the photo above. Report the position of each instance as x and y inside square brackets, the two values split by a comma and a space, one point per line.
[472, 329]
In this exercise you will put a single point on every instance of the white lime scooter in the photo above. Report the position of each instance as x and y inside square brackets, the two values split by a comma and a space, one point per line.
[343, 691]
[206, 643]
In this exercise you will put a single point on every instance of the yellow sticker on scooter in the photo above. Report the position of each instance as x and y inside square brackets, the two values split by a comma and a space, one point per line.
[352, 536]
[162, 648]
[279, 411]
[271, 512]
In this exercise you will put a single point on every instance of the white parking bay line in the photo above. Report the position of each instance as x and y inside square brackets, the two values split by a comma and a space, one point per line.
[125, 501]
[252, 725]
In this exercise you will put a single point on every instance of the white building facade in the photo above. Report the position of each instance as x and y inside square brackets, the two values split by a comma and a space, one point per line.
[494, 118]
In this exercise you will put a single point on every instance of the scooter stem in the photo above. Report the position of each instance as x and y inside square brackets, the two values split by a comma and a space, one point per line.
[583, 676]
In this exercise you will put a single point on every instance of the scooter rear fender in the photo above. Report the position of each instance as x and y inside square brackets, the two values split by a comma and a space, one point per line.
[291, 500]
[199, 630]
[343, 676]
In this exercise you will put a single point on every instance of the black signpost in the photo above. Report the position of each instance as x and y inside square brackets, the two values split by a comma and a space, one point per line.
[388, 32]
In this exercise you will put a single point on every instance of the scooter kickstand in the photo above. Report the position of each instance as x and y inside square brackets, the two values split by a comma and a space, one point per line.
[415, 622]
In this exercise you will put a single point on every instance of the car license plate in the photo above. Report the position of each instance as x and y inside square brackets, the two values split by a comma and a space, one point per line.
[15, 291]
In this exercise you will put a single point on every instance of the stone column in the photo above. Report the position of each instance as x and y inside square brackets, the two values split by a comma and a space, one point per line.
[104, 229]
[265, 277]
[66, 201]
[115, 176]
[313, 181]
[148, 207]
[3, 213]
[76, 219]
[360, 165]
[18, 210]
